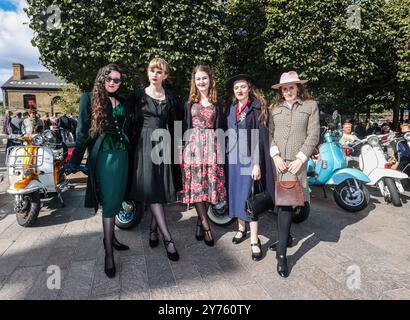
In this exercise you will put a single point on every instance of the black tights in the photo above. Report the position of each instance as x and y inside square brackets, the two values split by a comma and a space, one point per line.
[201, 210]
[158, 220]
[108, 228]
[284, 223]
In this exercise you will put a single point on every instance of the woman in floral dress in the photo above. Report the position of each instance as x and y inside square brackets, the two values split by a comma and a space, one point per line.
[203, 177]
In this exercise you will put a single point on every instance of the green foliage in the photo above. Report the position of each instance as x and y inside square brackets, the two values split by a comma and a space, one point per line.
[68, 101]
[350, 67]
[96, 32]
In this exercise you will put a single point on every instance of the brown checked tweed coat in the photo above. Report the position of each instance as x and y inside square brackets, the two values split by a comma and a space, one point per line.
[295, 130]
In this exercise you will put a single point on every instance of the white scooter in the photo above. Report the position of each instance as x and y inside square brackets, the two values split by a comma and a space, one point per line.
[36, 170]
[373, 162]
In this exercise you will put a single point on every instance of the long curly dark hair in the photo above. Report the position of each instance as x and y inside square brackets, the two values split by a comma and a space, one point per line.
[100, 97]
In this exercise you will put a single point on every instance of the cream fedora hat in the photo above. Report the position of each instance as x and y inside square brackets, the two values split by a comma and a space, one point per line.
[288, 78]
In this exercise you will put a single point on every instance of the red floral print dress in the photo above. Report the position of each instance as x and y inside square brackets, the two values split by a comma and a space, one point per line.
[203, 176]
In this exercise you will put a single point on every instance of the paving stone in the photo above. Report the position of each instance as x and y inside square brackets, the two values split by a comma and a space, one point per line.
[188, 278]
[134, 278]
[222, 290]
[165, 293]
[4, 245]
[102, 285]
[18, 285]
[252, 292]
[397, 294]
[61, 256]
[159, 272]
[77, 284]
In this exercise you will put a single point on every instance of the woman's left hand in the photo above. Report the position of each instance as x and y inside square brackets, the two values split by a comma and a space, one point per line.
[295, 166]
[256, 172]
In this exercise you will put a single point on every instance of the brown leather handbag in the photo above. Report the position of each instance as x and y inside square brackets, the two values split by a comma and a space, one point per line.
[288, 193]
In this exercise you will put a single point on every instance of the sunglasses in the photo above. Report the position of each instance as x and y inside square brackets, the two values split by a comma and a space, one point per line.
[115, 80]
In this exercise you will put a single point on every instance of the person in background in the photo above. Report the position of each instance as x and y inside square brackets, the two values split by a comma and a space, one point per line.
[29, 125]
[7, 123]
[348, 137]
[47, 122]
[16, 123]
[360, 130]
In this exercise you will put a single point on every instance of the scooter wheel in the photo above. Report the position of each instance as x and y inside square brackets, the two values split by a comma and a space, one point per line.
[351, 203]
[28, 216]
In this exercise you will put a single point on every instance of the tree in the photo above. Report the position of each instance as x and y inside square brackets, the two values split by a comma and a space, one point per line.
[398, 18]
[96, 32]
[335, 45]
[68, 99]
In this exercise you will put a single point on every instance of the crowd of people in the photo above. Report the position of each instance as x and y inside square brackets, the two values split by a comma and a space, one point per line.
[31, 122]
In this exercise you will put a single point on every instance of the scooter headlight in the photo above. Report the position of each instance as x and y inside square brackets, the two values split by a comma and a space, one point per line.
[373, 141]
[407, 136]
[38, 140]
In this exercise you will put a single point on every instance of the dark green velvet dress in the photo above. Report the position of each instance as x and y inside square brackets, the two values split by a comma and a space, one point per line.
[112, 165]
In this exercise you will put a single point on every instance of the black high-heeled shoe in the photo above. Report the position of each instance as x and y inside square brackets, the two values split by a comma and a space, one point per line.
[282, 267]
[274, 246]
[256, 256]
[199, 235]
[109, 271]
[118, 245]
[236, 240]
[211, 242]
[173, 256]
[153, 243]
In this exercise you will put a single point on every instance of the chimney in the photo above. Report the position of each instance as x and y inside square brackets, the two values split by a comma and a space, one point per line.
[18, 71]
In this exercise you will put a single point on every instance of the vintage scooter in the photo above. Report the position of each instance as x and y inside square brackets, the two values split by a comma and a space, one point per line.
[35, 171]
[402, 152]
[329, 168]
[372, 160]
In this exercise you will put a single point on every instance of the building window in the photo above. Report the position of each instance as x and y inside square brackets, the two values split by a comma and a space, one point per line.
[29, 101]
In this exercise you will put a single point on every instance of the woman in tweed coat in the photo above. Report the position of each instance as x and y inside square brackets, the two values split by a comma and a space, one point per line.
[294, 133]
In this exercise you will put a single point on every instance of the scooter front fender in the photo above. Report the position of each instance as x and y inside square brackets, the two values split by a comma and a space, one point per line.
[347, 173]
[380, 173]
[33, 186]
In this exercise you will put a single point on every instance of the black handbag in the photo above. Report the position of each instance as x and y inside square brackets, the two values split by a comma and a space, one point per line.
[258, 202]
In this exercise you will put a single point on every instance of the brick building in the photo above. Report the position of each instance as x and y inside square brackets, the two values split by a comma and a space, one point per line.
[27, 88]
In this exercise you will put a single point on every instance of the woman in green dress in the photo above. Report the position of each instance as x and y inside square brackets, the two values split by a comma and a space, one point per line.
[104, 128]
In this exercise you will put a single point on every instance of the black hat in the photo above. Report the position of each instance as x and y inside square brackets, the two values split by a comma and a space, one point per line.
[229, 83]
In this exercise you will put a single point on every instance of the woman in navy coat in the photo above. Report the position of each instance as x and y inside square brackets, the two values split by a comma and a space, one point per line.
[247, 154]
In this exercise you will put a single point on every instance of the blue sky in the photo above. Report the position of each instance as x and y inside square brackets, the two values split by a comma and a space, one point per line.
[8, 5]
[15, 37]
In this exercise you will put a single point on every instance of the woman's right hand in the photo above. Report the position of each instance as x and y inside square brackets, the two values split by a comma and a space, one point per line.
[280, 164]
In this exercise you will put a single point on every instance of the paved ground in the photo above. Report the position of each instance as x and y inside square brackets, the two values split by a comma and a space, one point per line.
[339, 255]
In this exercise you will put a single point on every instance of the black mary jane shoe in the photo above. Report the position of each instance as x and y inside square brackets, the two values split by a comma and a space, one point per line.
[209, 243]
[274, 246]
[282, 267]
[118, 245]
[199, 234]
[256, 256]
[109, 271]
[173, 256]
[153, 243]
[236, 240]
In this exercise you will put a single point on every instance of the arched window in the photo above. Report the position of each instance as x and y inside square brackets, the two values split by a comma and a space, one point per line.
[55, 99]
